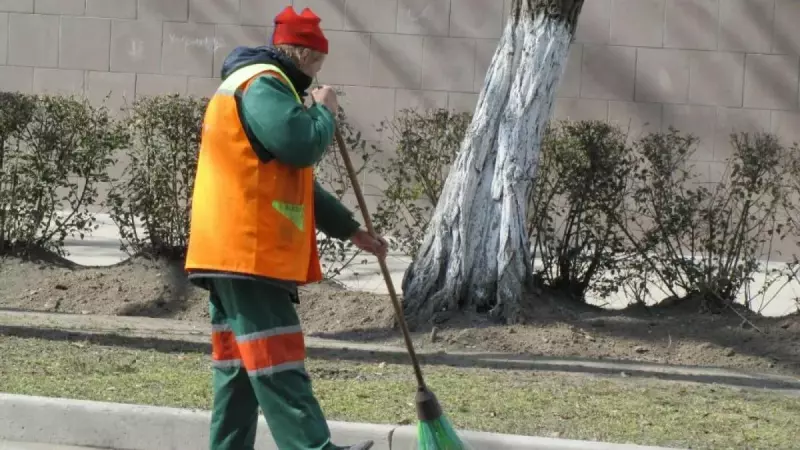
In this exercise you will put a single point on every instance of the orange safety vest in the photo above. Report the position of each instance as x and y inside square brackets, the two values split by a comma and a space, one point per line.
[249, 217]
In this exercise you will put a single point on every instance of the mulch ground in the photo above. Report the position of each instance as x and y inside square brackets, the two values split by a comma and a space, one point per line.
[141, 287]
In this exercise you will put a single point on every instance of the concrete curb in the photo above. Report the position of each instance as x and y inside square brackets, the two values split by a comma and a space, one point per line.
[405, 438]
[134, 427]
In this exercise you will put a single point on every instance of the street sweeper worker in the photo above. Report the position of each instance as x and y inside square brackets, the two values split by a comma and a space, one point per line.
[255, 209]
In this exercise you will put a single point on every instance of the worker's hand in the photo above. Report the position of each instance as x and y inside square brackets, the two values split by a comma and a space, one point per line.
[369, 243]
[326, 96]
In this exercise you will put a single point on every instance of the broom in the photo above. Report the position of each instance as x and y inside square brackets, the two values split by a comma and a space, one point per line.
[434, 430]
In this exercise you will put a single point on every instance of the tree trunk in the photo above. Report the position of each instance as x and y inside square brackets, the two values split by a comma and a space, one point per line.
[475, 254]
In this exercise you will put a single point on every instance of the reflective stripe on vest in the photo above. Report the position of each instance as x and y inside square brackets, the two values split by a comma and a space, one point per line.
[249, 217]
[243, 75]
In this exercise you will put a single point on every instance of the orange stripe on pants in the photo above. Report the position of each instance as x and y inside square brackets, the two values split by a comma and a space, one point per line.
[270, 352]
[224, 347]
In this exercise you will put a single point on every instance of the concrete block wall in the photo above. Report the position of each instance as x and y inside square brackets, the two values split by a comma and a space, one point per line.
[704, 66]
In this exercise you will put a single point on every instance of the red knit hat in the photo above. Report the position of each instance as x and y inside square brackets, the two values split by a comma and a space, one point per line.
[302, 30]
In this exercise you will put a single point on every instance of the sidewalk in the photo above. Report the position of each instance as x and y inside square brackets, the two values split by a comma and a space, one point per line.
[8, 445]
[53, 421]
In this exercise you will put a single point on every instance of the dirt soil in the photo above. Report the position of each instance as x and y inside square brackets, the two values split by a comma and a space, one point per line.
[141, 287]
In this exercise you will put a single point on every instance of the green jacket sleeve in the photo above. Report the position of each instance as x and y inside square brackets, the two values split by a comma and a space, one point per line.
[333, 218]
[295, 135]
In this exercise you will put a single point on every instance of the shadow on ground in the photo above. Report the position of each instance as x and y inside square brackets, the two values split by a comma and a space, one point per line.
[484, 360]
[173, 297]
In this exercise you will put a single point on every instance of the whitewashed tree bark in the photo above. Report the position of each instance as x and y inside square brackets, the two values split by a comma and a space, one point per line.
[475, 254]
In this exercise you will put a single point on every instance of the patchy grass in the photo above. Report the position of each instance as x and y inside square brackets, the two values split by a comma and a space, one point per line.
[530, 403]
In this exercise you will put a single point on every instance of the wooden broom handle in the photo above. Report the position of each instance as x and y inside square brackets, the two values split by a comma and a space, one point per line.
[398, 308]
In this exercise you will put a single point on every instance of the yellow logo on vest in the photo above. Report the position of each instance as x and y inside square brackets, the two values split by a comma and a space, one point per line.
[295, 213]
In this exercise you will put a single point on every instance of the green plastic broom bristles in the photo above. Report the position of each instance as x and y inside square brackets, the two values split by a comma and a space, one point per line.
[438, 434]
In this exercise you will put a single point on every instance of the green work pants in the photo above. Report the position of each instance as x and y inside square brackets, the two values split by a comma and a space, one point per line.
[258, 360]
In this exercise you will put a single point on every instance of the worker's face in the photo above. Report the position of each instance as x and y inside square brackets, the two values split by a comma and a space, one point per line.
[314, 64]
